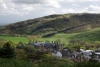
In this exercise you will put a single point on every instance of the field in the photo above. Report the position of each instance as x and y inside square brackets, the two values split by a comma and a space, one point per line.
[64, 38]
[15, 39]
[92, 35]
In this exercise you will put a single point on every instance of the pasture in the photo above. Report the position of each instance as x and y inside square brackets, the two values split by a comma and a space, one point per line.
[64, 38]
[89, 36]
[15, 39]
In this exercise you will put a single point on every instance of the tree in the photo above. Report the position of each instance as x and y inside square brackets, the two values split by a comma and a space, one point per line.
[29, 38]
[31, 52]
[57, 41]
[33, 38]
[2, 41]
[7, 51]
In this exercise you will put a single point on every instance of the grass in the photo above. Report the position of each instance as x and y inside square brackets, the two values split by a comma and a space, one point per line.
[63, 37]
[22, 63]
[15, 39]
[15, 63]
[92, 35]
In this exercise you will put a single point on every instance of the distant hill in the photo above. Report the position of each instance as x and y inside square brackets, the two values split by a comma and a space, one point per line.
[67, 23]
[92, 36]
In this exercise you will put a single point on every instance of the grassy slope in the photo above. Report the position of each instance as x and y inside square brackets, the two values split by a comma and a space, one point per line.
[64, 38]
[15, 39]
[93, 35]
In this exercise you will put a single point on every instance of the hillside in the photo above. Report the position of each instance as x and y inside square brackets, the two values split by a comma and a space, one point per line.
[66, 23]
[92, 35]
[88, 36]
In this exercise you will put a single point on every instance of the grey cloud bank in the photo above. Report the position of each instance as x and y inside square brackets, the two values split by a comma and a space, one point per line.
[17, 10]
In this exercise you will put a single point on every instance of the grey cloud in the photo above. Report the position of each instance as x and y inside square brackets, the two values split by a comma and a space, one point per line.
[47, 3]
[93, 8]
[81, 0]
[30, 1]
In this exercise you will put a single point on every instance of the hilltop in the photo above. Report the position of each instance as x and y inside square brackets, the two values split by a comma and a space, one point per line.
[61, 23]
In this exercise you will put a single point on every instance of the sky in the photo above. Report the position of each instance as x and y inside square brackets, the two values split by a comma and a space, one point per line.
[12, 11]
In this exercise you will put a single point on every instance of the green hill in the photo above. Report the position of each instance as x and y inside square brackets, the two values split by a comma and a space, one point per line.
[66, 23]
[91, 36]
[88, 36]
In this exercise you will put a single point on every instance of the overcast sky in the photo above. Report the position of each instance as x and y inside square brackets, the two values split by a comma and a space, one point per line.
[17, 10]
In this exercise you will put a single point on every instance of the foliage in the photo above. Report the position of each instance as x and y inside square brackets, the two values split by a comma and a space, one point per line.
[32, 53]
[7, 51]
[21, 63]
[20, 54]
[32, 38]
[57, 41]
[2, 41]
[87, 64]
[53, 23]
[48, 59]
[29, 39]
[89, 36]
[15, 63]
[35, 38]
[89, 46]
[97, 44]
[92, 35]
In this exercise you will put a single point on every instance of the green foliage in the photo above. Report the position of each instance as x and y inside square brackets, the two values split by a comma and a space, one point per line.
[97, 44]
[82, 47]
[87, 64]
[29, 48]
[15, 63]
[7, 51]
[21, 63]
[89, 36]
[32, 38]
[58, 62]
[2, 41]
[32, 53]
[53, 23]
[58, 41]
[20, 54]
[92, 35]
[89, 46]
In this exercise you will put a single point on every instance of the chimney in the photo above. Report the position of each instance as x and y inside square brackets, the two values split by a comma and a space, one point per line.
[41, 48]
[60, 47]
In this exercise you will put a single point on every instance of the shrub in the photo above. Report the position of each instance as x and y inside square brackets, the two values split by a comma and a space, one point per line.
[20, 54]
[7, 51]
[15, 63]
[32, 53]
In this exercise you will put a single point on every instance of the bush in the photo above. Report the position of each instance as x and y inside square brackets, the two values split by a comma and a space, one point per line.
[32, 53]
[20, 54]
[15, 63]
[7, 51]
